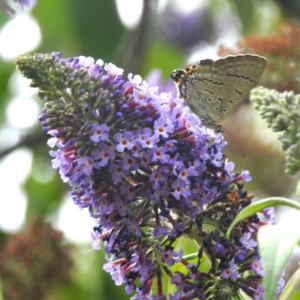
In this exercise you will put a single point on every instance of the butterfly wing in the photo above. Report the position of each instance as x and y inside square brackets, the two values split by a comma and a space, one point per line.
[214, 89]
[209, 83]
[240, 74]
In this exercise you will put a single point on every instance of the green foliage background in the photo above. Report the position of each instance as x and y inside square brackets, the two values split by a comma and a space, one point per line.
[93, 28]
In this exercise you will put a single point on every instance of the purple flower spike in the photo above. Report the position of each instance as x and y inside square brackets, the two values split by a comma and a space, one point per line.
[146, 169]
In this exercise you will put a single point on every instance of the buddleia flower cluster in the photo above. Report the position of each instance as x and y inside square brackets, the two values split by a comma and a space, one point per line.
[23, 4]
[281, 111]
[152, 176]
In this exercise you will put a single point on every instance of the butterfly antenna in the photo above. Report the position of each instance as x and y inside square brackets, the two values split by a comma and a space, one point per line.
[235, 143]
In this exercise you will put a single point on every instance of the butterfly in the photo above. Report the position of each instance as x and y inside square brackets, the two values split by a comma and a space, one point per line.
[214, 89]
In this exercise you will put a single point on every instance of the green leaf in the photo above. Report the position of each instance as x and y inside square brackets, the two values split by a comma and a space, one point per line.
[161, 55]
[292, 290]
[98, 27]
[1, 296]
[164, 278]
[245, 10]
[298, 189]
[58, 27]
[6, 70]
[275, 246]
[260, 205]
[243, 295]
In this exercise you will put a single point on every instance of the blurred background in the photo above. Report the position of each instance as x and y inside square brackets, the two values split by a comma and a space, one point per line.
[44, 239]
